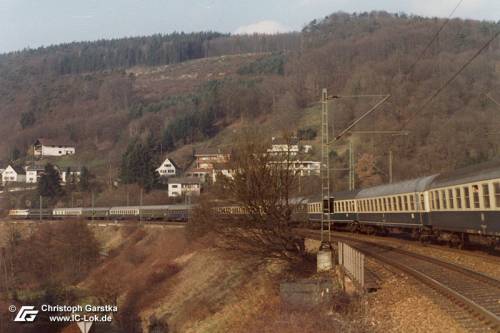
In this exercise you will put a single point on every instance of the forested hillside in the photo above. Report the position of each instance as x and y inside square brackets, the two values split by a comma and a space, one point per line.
[174, 92]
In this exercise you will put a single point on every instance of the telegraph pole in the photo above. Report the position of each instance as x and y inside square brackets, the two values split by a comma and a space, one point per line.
[41, 205]
[324, 256]
[140, 207]
[351, 167]
[324, 260]
[390, 166]
[325, 169]
[92, 198]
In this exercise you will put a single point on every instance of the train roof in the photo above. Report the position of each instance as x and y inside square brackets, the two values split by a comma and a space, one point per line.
[343, 195]
[175, 206]
[473, 173]
[346, 195]
[407, 186]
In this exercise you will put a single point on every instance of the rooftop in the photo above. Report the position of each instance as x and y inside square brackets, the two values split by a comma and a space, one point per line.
[17, 169]
[35, 168]
[171, 161]
[52, 142]
[211, 151]
[184, 180]
[199, 170]
[283, 141]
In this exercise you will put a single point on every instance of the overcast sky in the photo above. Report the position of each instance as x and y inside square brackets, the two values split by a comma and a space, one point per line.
[33, 23]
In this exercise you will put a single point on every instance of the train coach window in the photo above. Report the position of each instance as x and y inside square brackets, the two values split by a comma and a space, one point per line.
[475, 196]
[405, 203]
[486, 196]
[412, 202]
[437, 199]
[433, 203]
[466, 197]
[496, 187]
[450, 199]
[444, 199]
[458, 198]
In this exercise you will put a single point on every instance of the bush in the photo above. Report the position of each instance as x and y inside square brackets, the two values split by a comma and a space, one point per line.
[307, 133]
[274, 64]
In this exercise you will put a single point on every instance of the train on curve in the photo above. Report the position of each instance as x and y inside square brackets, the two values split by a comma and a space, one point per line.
[454, 207]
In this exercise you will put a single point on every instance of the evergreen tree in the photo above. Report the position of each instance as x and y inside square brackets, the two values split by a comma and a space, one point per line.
[139, 164]
[49, 185]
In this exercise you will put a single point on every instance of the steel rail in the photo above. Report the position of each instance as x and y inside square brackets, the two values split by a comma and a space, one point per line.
[492, 319]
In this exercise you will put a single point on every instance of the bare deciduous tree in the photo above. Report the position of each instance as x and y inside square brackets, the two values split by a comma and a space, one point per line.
[253, 211]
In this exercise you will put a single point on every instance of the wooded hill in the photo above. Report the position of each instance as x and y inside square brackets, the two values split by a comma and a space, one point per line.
[180, 91]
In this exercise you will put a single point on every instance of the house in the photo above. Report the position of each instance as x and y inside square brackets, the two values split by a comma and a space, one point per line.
[307, 168]
[33, 173]
[46, 147]
[183, 186]
[222, 172]
[168, 168]
[282, 146]
[68, 173]
[205, 158]
[202, 174]
[13, 174]
[303, 168]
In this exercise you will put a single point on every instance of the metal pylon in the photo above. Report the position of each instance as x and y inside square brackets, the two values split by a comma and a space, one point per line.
[325, 167]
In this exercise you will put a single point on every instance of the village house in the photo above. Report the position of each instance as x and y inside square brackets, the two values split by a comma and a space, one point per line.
[222, 172]
[33, 173]
[303, 168]
[281, 146]
[13, 174]
[68, 173]
[202, 174]
[205, 158]
[168, 168]
[183, 186]
[46, 147]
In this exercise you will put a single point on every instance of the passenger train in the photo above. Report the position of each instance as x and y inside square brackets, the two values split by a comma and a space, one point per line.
[149, 213]
[452, 207]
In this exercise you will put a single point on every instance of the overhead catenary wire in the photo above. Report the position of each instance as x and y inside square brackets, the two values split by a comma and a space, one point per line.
[354, 123]
[433, 39]
[453, 77]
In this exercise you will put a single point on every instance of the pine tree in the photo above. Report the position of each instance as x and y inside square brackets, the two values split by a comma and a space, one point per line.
[139, 164]
[49, 185]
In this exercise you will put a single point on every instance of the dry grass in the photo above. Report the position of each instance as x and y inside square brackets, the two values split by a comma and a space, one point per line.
[339, 316]
[160, 277]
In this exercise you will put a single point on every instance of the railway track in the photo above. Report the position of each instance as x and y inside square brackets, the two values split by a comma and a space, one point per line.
[492, 258]
[475, 294]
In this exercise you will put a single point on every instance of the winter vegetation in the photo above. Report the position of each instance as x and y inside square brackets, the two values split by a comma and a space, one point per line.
[172, 92]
